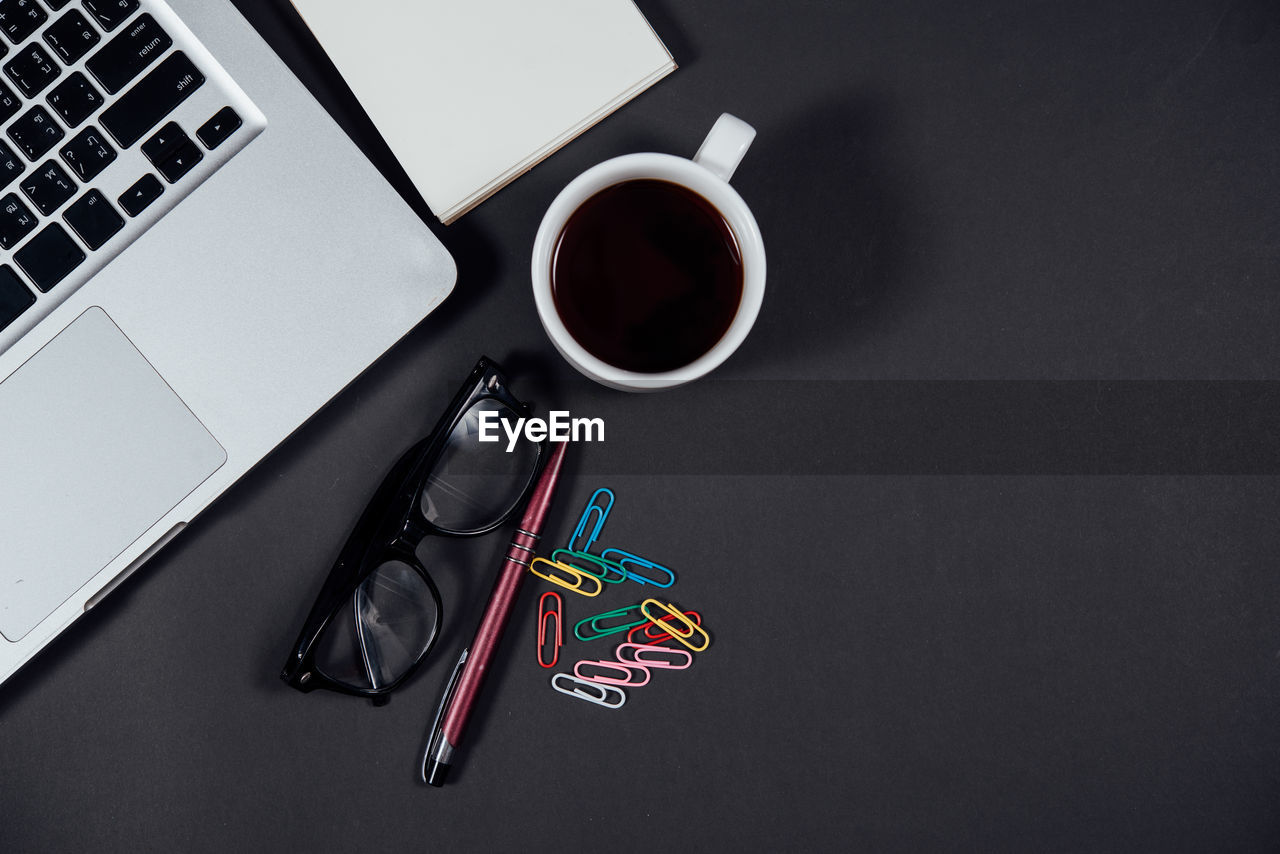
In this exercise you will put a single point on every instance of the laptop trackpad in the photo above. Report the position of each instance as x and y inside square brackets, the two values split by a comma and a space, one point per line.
[95, 448]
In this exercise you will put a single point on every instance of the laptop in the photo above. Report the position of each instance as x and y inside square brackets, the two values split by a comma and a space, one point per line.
[194, 259]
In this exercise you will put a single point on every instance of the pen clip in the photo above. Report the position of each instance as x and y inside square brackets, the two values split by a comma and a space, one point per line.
[434, 732]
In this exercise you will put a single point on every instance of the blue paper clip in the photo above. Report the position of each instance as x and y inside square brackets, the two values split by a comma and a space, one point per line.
[577, 543]
[605, 570]
[626, 560]
[632, 614]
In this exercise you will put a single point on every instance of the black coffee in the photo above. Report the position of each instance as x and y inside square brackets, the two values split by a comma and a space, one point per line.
[647, 275]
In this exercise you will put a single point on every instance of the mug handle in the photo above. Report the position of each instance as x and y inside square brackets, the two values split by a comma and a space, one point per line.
[722, 150]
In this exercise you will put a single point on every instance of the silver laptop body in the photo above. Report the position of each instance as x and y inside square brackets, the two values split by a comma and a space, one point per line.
[206, 321]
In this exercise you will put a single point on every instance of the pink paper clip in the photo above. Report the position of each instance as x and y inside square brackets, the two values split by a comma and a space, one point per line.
[648, 655]
[653, 635]
[617, 667]
[544, 614]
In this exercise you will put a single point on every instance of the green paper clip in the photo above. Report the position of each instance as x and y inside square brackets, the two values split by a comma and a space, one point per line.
[591, 565]
[596, 630]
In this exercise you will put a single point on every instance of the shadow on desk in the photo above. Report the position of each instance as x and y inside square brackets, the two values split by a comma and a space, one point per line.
[831, 197]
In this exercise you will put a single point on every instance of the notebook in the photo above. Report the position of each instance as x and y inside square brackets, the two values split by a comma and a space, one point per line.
[470, 94]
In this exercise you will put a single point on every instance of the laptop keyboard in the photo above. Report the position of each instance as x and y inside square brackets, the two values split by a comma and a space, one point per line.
[112, 112]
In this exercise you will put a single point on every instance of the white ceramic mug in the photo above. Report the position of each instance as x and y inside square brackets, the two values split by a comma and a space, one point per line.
[707, 174]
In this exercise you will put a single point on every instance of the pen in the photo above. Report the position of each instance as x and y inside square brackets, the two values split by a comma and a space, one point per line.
[464, 684]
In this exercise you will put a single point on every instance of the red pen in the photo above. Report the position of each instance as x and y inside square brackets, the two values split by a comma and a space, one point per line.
[463, 688]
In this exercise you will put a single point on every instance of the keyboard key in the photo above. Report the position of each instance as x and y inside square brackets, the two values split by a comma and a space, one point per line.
[142, 107]
[20, 18]
[16, 221]
[71, 36]
[139, 197]
[75, 99]
[180, 162]
[88, 154]
[215, 131]
[111, 13]
[94, 219]
[55, 5]
[124, 57]
[48, 187]
[164, 142]
[172, 152]
[35, 133]
[9, 103]
[15, 297]
[49, 257]
[11, 166]
[32, 69]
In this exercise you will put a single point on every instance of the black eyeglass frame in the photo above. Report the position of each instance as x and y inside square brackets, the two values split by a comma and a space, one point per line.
[392, 527]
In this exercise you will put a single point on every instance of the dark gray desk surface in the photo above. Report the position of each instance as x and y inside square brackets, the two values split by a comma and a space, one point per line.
[952, 611]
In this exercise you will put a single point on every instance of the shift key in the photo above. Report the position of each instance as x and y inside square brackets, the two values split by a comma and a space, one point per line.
[146, 104]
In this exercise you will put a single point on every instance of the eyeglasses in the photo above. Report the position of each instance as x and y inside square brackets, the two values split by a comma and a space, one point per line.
[379, 612]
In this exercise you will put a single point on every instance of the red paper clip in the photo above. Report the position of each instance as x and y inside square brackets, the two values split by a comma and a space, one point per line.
[651, 635]
[556, 611]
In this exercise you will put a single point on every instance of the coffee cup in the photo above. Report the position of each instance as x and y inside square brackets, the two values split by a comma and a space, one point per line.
[599, 199]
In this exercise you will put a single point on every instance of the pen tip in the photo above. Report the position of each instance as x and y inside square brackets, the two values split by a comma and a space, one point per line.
[435, 773]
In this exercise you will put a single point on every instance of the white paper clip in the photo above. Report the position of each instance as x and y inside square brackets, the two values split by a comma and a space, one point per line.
[590, 691]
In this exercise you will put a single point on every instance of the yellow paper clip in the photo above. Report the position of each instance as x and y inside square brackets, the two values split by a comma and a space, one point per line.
[582, 577]
[671, 626]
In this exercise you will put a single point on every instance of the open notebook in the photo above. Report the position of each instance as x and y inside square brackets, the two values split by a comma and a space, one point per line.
[470, 94]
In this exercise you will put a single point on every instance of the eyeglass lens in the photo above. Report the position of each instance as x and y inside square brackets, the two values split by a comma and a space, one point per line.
[388, 624]
[381, 630]
[475, 483]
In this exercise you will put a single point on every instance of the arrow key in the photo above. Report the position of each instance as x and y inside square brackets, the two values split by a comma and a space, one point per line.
[165, 142]
[215, 131]
[183, 159]
[139, 197]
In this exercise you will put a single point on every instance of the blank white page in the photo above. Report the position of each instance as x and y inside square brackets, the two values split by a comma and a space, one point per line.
[470, 93]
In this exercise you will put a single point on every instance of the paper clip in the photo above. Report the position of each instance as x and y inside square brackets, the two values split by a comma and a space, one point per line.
[571, 572]
[641, 654]
[591, 565]
[626, 559]
[582, 540]
[618, 667]
[682, 636]
[650, 634]
[595, 629]
[592, 692]
[557, 611]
